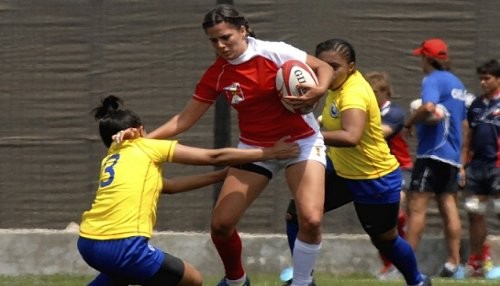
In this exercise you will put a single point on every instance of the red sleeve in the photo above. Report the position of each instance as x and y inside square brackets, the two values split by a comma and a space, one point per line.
[207, 89]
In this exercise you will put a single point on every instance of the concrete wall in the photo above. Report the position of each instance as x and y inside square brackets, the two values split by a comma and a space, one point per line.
[41, 251]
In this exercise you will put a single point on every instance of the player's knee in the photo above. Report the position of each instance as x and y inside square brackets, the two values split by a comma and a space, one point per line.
[174, 271]
[191, 276]
[474, 206]
[311, 222]
[221, 229]
[220, 233]
[197, 279]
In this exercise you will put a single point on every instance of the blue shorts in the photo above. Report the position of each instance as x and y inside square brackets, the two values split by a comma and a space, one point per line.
[384, 190]
[483, 181]
[129, 259]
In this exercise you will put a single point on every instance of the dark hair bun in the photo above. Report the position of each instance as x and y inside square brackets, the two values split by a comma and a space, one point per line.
[108, 105]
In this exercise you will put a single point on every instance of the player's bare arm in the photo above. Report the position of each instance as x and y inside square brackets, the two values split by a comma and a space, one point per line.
[192, 182]
[233, 156]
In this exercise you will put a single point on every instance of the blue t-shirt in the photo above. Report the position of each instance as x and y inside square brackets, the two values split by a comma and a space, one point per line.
[443, 141]
[484, 120]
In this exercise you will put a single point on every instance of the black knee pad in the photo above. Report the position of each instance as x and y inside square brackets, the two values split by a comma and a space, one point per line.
[170, 272]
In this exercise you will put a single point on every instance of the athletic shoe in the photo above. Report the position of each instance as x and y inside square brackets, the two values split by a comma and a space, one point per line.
[223, 282]
[286, 275]
[480, 265]
[475, 266]
[488, 264]
[289, 283]
[457, 273]
[427, 281]
[489, 270]
[493, 273]
[460, 273]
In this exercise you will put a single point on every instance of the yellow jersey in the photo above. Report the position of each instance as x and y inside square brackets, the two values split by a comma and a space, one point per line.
[130, 184]
[371, 158]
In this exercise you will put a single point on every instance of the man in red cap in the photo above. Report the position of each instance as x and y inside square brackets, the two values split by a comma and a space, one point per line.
[438, 158]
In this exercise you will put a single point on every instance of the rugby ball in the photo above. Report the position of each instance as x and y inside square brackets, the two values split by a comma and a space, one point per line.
[439, 112]
[289, 75]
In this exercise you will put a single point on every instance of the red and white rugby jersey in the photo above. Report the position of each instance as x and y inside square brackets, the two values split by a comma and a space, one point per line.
[248, 83]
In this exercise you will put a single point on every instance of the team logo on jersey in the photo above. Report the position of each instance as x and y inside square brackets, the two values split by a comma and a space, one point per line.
[489, 115]
[462, 94]
[334, 112]
[234, 93]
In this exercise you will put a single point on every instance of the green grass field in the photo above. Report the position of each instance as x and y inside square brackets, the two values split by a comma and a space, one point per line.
[257, 280]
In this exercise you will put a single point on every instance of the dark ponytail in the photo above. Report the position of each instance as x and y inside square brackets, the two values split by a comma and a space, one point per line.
[113, 119]
[107, 107]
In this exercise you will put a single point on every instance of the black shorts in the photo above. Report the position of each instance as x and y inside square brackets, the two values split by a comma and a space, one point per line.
[336, 192]
[377, 218]
[433, 176]
[251, 167]
[170, 273]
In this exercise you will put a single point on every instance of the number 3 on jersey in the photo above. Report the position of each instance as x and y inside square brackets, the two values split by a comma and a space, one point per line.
[106, 180]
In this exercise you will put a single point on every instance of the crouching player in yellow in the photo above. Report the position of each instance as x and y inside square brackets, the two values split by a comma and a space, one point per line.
[114, 233]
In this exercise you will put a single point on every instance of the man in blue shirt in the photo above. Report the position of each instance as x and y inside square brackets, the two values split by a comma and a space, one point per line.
[438, 151]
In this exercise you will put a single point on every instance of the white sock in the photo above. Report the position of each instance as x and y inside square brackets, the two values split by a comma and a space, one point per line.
[304, 257]
[238, 282]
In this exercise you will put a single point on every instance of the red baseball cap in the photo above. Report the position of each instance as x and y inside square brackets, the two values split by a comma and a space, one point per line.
[433, 48]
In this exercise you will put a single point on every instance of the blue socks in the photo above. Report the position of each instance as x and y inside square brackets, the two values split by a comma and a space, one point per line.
[292, 229]
[403, 257]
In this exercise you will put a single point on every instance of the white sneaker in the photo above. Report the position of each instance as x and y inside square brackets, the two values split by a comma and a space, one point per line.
[286, 274]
